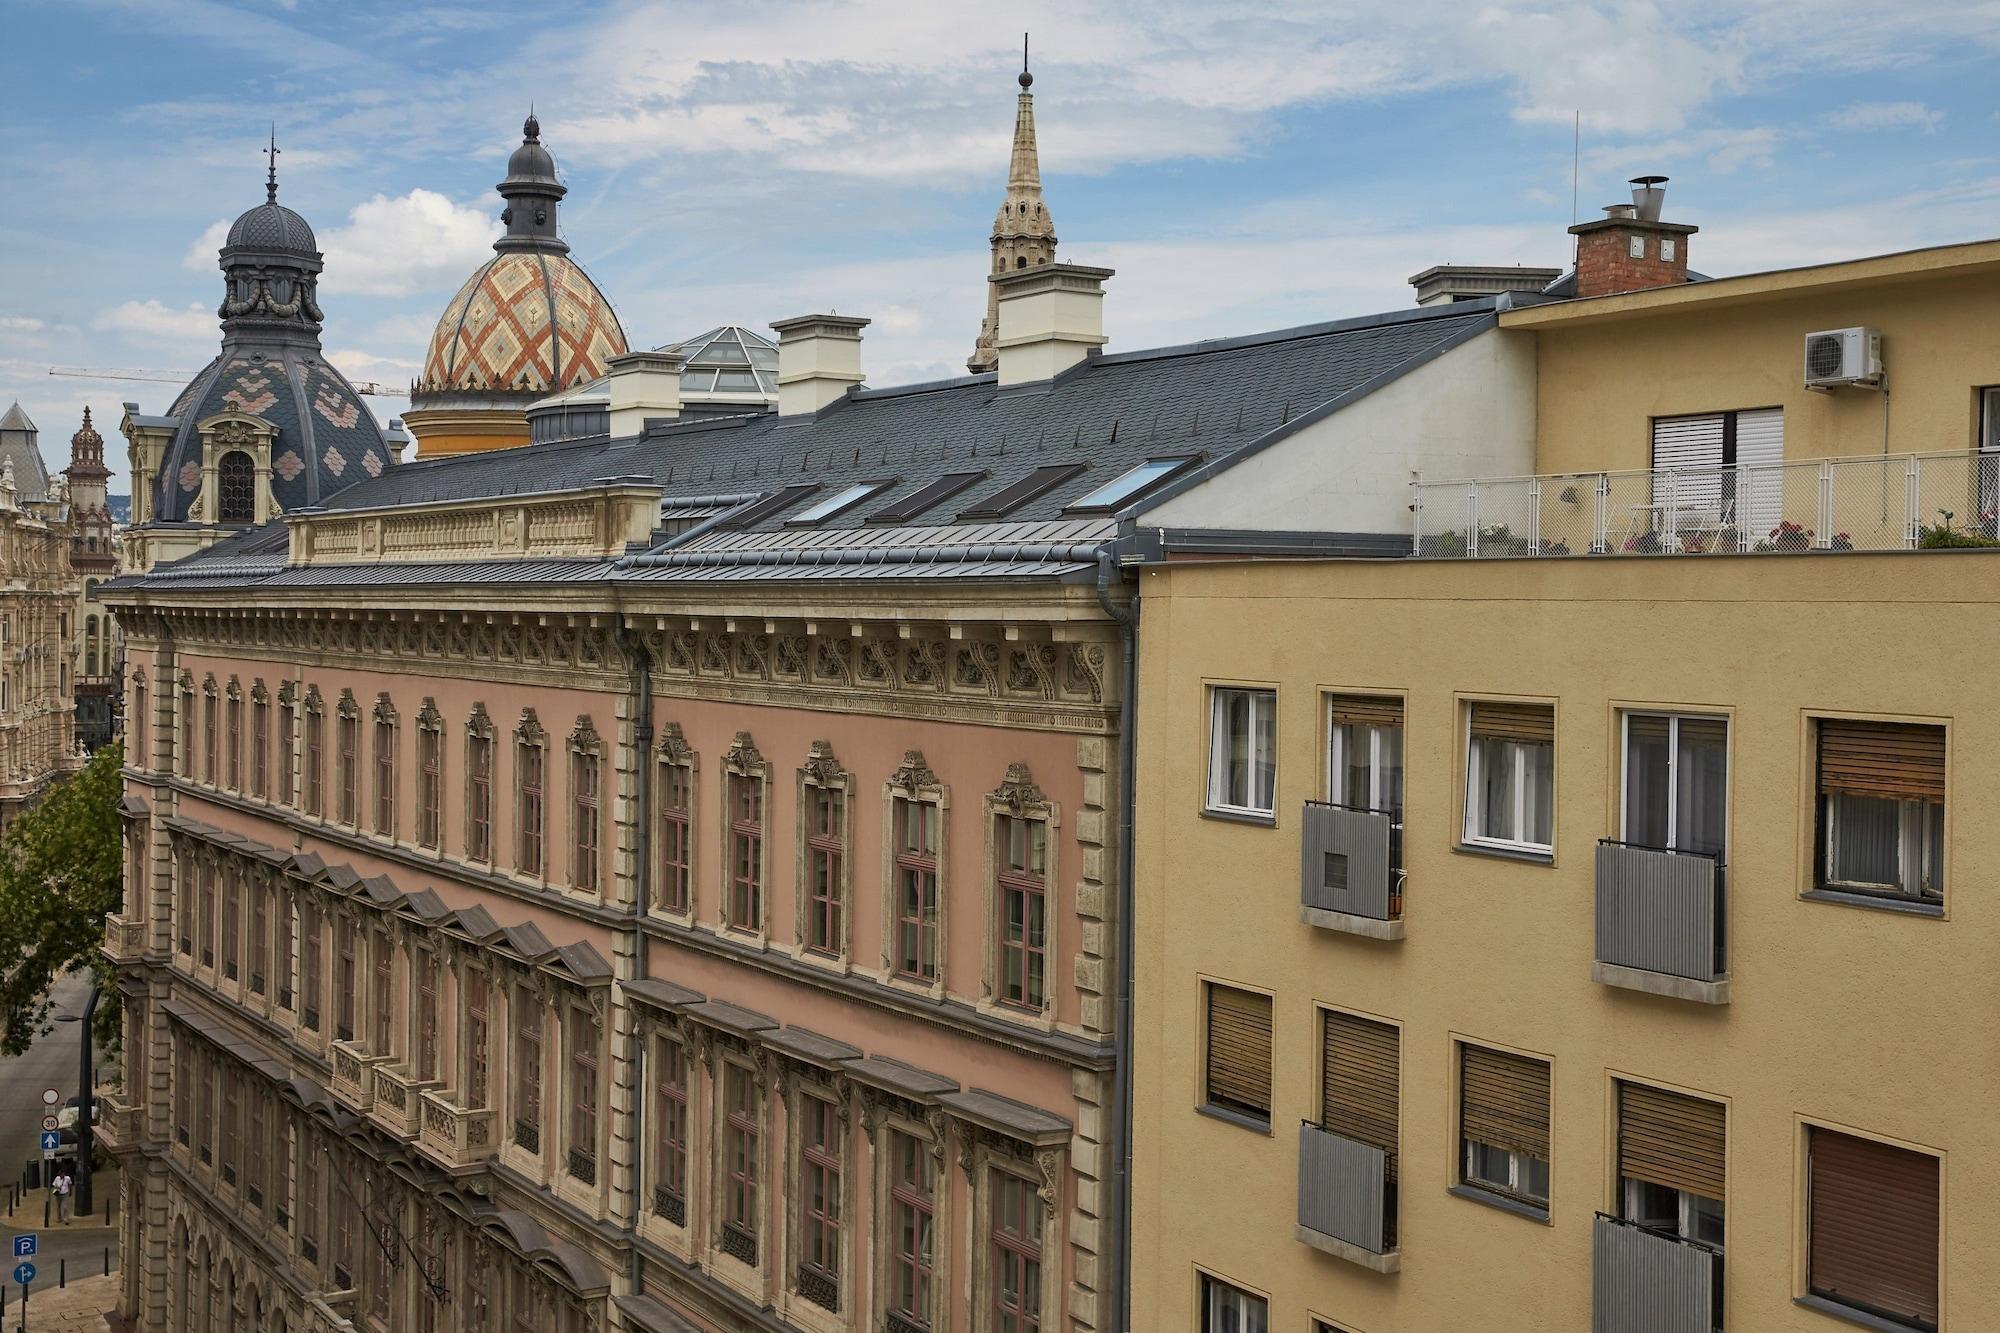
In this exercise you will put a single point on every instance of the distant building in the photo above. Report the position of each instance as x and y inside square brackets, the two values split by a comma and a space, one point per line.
[99, 647]
[724, 371]
[38, 596]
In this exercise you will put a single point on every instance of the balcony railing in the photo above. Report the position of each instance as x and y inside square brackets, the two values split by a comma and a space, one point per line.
[117, 1127]
[1645, 1281]
[455, 1137]
[1879, 502]
[396, 1106]
[124, 941]
[353, 1075]
[1351, 867]
[1347, 1196]
[1661, 912]
[332, 1311]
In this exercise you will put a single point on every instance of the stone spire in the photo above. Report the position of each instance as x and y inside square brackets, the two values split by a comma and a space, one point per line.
[1024, 235]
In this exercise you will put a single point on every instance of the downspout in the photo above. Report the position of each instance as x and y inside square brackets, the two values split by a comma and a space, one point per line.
[1127, 617]
[641, 706]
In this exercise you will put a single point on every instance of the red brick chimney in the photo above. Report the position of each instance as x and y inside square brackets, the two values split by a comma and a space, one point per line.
[1629, 249]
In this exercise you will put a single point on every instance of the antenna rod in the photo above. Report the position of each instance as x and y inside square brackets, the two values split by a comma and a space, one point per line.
[1575, 162]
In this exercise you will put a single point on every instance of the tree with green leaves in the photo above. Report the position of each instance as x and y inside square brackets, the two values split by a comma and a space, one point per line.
[61, 868]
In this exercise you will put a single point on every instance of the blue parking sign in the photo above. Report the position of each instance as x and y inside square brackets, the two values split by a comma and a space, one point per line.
[51, 1140]
[24, 1273]
[24, 1245]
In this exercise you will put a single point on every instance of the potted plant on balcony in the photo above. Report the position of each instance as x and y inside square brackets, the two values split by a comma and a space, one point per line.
[1643, 543]
[1942, 535]
[1499, 539]
[1787, 536]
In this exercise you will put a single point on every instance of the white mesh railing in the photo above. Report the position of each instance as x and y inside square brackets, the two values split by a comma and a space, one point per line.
[1883, 502]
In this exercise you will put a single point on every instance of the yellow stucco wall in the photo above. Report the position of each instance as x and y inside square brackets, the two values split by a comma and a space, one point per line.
[1854, 1017]
[1607, 367]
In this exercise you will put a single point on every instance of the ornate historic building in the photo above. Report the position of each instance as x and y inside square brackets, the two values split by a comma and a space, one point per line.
[528, 323]
[269, 425]
[38, 596]
[99, 645]
[1024, 234]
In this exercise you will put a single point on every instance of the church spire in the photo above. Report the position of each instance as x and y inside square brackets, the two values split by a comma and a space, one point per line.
[1023, 232]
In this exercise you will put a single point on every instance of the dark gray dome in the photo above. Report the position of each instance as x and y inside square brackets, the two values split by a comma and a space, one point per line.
[272, 226]
[531, 163]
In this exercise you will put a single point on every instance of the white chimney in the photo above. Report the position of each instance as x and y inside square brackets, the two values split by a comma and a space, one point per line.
[819, 359]
[1051, 315]
[642, 385]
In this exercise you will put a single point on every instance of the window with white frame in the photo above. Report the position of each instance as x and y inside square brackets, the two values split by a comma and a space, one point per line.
[1243, 750]
[1881, 808]
[1676, 782]
[1229, 1309]
[1504, 1123]
[1672, 1154]
[1510, 775]
[1364, 753]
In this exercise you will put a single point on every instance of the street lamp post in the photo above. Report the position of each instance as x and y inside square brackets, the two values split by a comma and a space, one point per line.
[87, 1109]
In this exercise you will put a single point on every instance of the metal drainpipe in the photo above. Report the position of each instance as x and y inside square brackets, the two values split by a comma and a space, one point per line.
[1127, 617]
[642, 839]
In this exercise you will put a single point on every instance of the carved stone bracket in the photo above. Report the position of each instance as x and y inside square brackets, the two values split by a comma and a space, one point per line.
[1018, 791]
[913, 774]
[820, 765]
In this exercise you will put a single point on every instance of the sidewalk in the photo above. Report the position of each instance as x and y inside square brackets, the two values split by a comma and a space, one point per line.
[78, 1308]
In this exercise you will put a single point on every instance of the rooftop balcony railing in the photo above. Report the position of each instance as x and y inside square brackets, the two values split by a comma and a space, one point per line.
[1879, 502]
[1660, 921]
[1646, 1281]
[1351, 869]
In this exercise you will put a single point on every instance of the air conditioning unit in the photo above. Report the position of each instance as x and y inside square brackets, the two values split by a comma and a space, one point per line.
[1837, 357]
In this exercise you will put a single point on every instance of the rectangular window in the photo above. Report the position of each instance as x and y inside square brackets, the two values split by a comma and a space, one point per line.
[1227, 1309]
[205, 913]
[204, 1126]
[315, 762]
[346, 980]
[382, 1002]
[1016, 1250]
[1364, 766]
[676, 835]
[232, 924]
[826, 858]
[528, 837]
[427, 1014]
[348, 737]
[260, 747]
[309, 966]
[477, 1035]
[1503, 1117]
[1243, 751]
[742, 1127]
[1237, 1072]
[228, 1143]
[385, 777]
[1725, 470]
[527, 1070]
[1672, 1162]
[585, 771]
[670, 1130]
[430, 785]
[746, 851]
[288, 753]
[233, 741]
[1676, 782]
[308, 1197]
[1021, 862]
[260, 938]
[479, 798]
[1881, 808]
[184, 1081]
[209, 773]
[582, 1096]
[1129, 485]
[186, 737]
[1510, 775]
[253, 1148]
[819, 1174]
[912, 1223]
[916, 875]
[1361, 1088]
[186, 896]
[1872, 1228]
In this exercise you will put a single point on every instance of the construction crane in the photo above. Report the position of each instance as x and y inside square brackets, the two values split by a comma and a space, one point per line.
[369, 387]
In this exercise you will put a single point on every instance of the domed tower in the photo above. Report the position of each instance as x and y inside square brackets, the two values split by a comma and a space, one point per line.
[99, 645]
[1024, 234]
[89, 501]
[267, 426]
[527, 324]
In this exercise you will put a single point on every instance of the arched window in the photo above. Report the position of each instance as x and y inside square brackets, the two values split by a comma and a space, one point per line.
[235, 488]
[90, 645]
[1021, 262]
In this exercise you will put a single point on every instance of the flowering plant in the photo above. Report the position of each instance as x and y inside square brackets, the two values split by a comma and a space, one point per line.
[1789, 536]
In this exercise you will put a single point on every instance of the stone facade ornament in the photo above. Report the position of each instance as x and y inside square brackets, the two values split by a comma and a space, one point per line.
[674, 747]
[821, 766]
[913, 774]
[743, 753]
[1018, 791]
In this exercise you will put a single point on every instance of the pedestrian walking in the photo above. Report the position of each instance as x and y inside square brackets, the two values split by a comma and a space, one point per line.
[61, 1187]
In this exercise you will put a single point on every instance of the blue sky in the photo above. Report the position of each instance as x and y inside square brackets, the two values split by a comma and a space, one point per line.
[1241, 165]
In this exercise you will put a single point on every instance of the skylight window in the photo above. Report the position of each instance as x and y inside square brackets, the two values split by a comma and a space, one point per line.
[1128, 485]
[844, 498]
[917, 501]
[1015, 494]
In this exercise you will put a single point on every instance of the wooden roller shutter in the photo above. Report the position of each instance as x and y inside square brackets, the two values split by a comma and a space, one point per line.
[1897, 760]
[1874, 1219]
[1667, 1139]
[1239, 1050]
[1532, 724]
[1364, 710]
[1504, 1100]
[1360, 1073]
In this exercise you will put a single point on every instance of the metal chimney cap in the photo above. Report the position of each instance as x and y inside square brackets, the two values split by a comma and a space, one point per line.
[1647, 180]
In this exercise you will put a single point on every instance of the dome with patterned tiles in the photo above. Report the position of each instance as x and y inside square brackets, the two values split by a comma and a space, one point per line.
[530, 321]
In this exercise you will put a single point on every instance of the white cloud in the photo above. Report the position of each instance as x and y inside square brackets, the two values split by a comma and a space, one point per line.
[1721, 150]
[1888, 116]
[155, 322]
[21, 324]
[419, 240]
[201, 256]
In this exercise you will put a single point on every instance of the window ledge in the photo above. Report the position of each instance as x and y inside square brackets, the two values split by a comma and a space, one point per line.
[1240, 817]
[1547, 858]
[1241, 1119]
[1908, 907]
[1851, 1315]
[1533, 1212]
[1660, 983]
[1349, 924]
[1392, 1262]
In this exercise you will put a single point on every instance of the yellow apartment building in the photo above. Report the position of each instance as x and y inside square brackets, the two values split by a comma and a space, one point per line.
[1587, 920]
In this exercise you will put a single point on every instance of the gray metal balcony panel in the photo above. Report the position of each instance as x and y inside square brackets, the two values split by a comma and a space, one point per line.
[1643, 1282]
[1658, 911]
[1343, 1188]
[1344, 862]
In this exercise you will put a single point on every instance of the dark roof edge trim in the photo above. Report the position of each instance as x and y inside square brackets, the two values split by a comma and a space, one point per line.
[1156, 545]
[1312, 416]
[953, 553]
